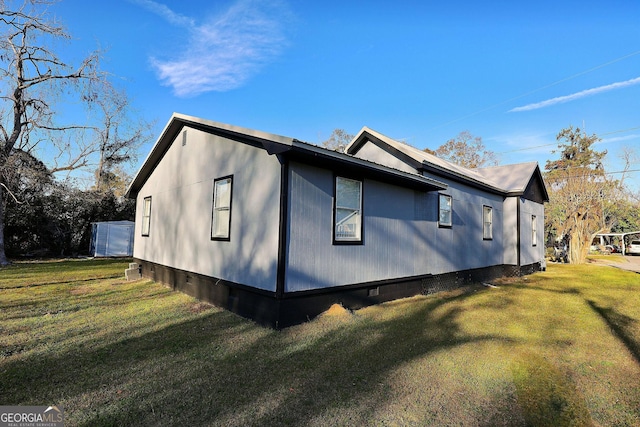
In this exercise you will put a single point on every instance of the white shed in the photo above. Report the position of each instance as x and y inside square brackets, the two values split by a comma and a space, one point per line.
[112, 238]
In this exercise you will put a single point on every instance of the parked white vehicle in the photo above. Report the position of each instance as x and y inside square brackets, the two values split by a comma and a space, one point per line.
[633, 248]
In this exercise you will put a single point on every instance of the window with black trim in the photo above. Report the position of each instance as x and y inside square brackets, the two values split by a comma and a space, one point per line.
[444, 210]
[221, 211]
[347, 211]
[146, 216]
[534, 230]
[487, 222]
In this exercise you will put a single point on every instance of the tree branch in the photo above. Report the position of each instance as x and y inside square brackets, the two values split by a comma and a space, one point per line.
[11, 194]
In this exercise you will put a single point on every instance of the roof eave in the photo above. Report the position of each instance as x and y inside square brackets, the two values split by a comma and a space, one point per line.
[274, 144]
[156, 152]
[464, 179]
[538, 173]
[319, 156]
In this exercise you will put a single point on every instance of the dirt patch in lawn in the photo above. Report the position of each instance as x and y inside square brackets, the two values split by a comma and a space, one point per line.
[337, 311]
[199, 307]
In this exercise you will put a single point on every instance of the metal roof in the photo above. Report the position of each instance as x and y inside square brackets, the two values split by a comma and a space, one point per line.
[507, 179]
[279, 145]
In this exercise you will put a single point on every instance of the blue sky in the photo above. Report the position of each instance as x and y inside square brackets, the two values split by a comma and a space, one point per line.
[514, 73]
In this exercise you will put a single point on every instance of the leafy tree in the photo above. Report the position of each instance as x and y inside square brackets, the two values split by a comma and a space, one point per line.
[580, 194]
[116, 181]
[465, 150]
[338, 140]
[79, 209]
[57, 222]
[625, 216]
[29, 180]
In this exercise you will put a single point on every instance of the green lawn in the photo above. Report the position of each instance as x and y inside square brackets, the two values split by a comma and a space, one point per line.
[555, 348]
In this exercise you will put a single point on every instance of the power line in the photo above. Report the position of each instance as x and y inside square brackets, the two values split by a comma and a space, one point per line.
[528, 148]
[556, 144]
[619, 131]
[629, 170]
[584, 175]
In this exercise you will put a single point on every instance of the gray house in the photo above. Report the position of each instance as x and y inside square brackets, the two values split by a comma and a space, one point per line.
[277, 230]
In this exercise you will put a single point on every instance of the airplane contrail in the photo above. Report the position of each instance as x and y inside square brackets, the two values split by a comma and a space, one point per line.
[577, 95]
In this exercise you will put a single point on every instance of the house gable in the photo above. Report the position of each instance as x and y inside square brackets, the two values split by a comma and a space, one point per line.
[536, 190]
[521, 179]
[271, 143]
[371, 146]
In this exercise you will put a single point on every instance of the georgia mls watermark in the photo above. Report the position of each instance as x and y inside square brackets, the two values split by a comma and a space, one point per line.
[31, 416]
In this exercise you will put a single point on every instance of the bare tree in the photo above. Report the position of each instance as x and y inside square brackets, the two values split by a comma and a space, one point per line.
[629, 156]
[34, 79]
[465, 150]
[117, 137]
[338, 140]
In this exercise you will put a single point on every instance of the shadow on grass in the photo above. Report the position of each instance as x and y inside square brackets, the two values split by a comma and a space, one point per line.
[218, 369]
[38, 304]
[64, 282]
[619, 324]
[27, 275]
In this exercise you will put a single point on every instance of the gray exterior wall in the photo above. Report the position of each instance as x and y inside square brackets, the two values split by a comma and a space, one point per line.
[503, 249]
[401, 233]
[510, 221]
[462, 245]
[375, 154]
[181, 187]
[530, 254]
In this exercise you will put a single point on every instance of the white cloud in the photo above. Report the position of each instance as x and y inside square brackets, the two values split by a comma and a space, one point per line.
[577, 95]
[166, 13]
[223, 52]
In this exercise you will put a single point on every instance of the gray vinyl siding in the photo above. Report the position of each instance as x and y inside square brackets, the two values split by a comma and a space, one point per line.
[461, 246]
[181, 187]
[510, 220]
[503, 249]
[375, 154]
[401, 236]
[530, 254]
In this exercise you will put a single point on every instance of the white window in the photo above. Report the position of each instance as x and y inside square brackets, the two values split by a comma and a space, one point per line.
[444, 211]
[534, 230]
[221, 215]
[348, 210]
[146, 216]
[487, 222]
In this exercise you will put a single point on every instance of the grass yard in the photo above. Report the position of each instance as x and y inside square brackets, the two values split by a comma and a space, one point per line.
[557, 348]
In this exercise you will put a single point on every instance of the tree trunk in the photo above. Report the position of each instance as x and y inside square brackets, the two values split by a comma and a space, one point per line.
[3, 257]
[574, 248]
[579, 243]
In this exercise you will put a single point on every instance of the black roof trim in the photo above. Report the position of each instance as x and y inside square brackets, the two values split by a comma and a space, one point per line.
[278, 145]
